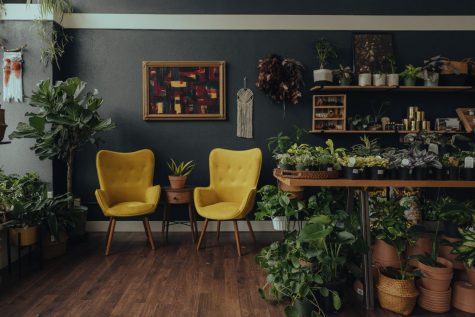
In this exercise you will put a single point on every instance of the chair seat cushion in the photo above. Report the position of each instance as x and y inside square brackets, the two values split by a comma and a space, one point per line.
[220, 211]
[130, 208]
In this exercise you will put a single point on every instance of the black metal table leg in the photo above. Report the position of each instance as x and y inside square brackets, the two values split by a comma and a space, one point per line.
[365, 230]
[19, 255]
[9, 250]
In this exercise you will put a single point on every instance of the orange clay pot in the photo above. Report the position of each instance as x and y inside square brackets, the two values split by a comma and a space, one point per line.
[445, 252]
[422, 246]
[471, 274]
[434, 301]
[464, 297]
[385, 255]
[437, 278]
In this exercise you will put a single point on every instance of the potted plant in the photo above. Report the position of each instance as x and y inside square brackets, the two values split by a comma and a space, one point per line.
[326, 158]
[364, 76]
[3, 125]
[410, 75]
[67, 118]
[344, 75]
[422, 160]
[393, 77]
[18, 195]
[325, 52]
[467, 165]
[377, 166]
[379, 77]
[179, 173]
[454, 214]
[351, 166]
[278, 206]
[430, 214]
[452, 162]
[432, 69]
[285, 161]
[465, 251]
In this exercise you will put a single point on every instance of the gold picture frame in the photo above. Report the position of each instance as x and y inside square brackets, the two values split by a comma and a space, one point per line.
[184, 90]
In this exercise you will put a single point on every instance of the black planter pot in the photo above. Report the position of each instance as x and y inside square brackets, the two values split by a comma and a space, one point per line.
[451, 229]
[453, 173]
[420, 173]
[326, 303]
[468, 174]
[351, 172]
[304, 308]
[404, 173]
[377, 172]
[392, 172]
[437, 173]
[365, 173]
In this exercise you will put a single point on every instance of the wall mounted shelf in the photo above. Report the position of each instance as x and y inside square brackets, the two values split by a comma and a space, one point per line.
[380, 132]
[392, 88]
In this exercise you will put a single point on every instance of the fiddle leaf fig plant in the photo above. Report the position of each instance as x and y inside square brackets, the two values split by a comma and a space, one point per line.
[66, 119]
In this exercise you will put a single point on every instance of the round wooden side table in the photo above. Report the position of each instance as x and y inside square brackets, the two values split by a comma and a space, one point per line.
[180, 196]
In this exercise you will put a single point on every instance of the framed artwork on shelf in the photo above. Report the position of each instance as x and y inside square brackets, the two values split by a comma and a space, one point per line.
[371, 51]
[184, 90]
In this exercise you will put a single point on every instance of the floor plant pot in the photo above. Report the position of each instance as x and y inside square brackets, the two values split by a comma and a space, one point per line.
[177, 182]
[323, 76]
[279, 223]
[364, 79]
[422, 245]
[79, 232]
[434, 301]
[453, 173]
[393, 80]
[351, 172]
[463, 296]
[437, 278]
[379, 79]
[468, 174]
[326, 303]
[28, 236]
[54, 247]
[471, 274]
[384, 255]
[399, 296]
[409, 81]
[404, 173]
[420, 173]
[304, 308]
[445, 251]
[377, 172]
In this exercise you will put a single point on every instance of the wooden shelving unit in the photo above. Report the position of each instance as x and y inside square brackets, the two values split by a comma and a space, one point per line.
[329, 112]
[392, 88]
[382, 132]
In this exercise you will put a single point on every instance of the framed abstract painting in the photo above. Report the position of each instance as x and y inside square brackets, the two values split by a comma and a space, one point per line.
[184, 90]
[371, 52]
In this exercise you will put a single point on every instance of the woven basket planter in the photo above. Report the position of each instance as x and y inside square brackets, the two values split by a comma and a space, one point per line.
[399, 296]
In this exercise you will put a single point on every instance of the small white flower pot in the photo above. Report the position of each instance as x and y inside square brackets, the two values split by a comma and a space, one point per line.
[364, 79]
[393, 80]
[379, 79]
[279, 223]
[323, 76]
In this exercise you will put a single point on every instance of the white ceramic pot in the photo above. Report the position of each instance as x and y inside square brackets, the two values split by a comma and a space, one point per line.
[279, 223]
[323, 76]
[393, 79]
[364, 79]
[379, 79]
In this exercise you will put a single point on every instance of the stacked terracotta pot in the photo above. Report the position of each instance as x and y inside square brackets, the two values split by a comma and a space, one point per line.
[464, 296]
[435, 286]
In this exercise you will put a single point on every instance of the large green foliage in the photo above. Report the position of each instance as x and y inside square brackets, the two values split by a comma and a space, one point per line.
[274, 203]
[466, 247]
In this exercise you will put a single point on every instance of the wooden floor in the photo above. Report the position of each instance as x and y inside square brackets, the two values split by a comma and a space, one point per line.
[135, 281]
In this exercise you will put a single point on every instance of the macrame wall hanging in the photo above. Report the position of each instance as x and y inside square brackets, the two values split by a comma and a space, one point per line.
[245, 100]
[13, 75]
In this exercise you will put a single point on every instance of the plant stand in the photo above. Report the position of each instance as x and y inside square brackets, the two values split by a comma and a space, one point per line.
[179, 197]
[39, 244]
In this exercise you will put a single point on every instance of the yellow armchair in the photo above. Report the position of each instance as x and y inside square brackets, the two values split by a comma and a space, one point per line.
[232, 190]
[126, 188]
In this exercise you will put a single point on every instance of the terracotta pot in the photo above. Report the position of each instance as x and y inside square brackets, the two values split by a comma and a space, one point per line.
[422, 246]
[463, 297]
[28, 236]
[53, 247]
[385, 255]
[177, 182]
[471, 274]
[437, 278]
[434, 301]
[445, 252]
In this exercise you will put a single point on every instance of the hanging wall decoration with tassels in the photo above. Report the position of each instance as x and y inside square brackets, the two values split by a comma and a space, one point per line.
[13, 76]
[245, 99]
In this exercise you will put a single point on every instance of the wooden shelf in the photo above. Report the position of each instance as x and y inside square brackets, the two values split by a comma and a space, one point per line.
[329, 107]
[381, 132]
[329, 119]
[392, 88]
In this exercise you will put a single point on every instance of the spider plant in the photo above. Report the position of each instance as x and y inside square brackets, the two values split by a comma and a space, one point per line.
[182, 169]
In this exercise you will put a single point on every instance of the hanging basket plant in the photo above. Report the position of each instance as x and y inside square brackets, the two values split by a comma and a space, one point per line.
[280, 78]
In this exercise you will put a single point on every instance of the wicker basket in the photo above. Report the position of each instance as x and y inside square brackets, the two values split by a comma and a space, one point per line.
[399, 296]
[306, 174]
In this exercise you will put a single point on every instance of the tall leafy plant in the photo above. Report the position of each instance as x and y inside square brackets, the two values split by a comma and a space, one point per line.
[66, 119]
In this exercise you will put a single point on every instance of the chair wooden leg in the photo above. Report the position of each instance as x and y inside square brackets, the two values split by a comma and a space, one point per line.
[148, 232]
[202, 234]
[218, 231]
[110, 234]
[192, 226]
[251, 231]
[236, 236]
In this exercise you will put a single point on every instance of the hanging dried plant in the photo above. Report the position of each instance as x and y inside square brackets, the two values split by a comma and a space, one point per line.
[280, 78]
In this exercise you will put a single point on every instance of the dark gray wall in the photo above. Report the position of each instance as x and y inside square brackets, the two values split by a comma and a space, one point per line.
[400, 7]
[110, 60]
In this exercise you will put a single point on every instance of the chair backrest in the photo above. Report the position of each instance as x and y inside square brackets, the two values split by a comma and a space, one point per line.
[125, 176]
[234, 173]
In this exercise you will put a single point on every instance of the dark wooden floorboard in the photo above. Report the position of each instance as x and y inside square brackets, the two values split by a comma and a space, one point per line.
[172, 281]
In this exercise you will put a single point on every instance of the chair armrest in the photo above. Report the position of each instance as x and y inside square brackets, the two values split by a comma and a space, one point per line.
[152, 195]
[248, 201]
[204, 196]
[102, 199]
